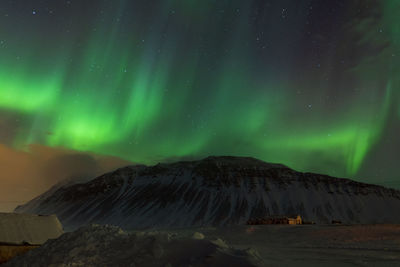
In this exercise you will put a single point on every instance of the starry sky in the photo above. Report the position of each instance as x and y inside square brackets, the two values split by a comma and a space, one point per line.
[311, 84]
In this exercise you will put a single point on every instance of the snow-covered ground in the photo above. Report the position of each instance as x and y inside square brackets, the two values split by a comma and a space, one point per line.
[317, 245]
[302, 245]
[98, 246]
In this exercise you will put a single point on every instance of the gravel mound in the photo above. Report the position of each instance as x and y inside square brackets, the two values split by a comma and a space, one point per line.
[104, 245]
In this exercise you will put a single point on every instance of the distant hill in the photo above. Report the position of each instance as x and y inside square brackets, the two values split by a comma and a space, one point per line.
[214, 191]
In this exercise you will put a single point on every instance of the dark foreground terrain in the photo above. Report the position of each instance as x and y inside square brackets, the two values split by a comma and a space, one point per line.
[317, 245]
[260, 245]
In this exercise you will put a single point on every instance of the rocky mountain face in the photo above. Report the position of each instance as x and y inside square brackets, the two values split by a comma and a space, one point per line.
[214, 191]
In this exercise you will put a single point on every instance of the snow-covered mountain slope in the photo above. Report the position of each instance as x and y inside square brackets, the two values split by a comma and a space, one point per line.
[215, 191]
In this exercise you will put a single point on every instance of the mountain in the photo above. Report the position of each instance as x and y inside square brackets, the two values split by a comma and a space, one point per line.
[214, 191]
[36, 202]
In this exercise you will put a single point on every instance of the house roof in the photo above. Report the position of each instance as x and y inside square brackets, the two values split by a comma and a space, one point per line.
[28, 228]
[281, 217]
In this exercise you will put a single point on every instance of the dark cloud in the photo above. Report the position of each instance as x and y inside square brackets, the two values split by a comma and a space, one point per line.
[25, 174]
[10, 123]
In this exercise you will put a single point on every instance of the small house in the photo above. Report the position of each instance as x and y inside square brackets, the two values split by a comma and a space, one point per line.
[20, 233]
[292, 220]
[295, 220]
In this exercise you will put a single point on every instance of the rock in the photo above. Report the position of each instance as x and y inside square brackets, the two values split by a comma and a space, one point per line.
[198, 236]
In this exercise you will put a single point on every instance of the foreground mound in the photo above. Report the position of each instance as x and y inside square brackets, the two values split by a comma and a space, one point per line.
[97, 245]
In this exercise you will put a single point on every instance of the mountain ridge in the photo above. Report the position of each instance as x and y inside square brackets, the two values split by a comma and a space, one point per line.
[215, 191]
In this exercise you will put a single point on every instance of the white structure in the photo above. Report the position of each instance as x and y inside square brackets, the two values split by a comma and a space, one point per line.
[23, 229]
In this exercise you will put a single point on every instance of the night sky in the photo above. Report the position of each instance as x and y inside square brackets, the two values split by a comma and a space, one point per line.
[314, 85]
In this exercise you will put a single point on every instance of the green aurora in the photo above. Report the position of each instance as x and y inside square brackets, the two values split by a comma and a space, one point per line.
[150, 82]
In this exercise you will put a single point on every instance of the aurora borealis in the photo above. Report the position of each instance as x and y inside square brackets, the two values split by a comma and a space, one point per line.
[310, 84]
